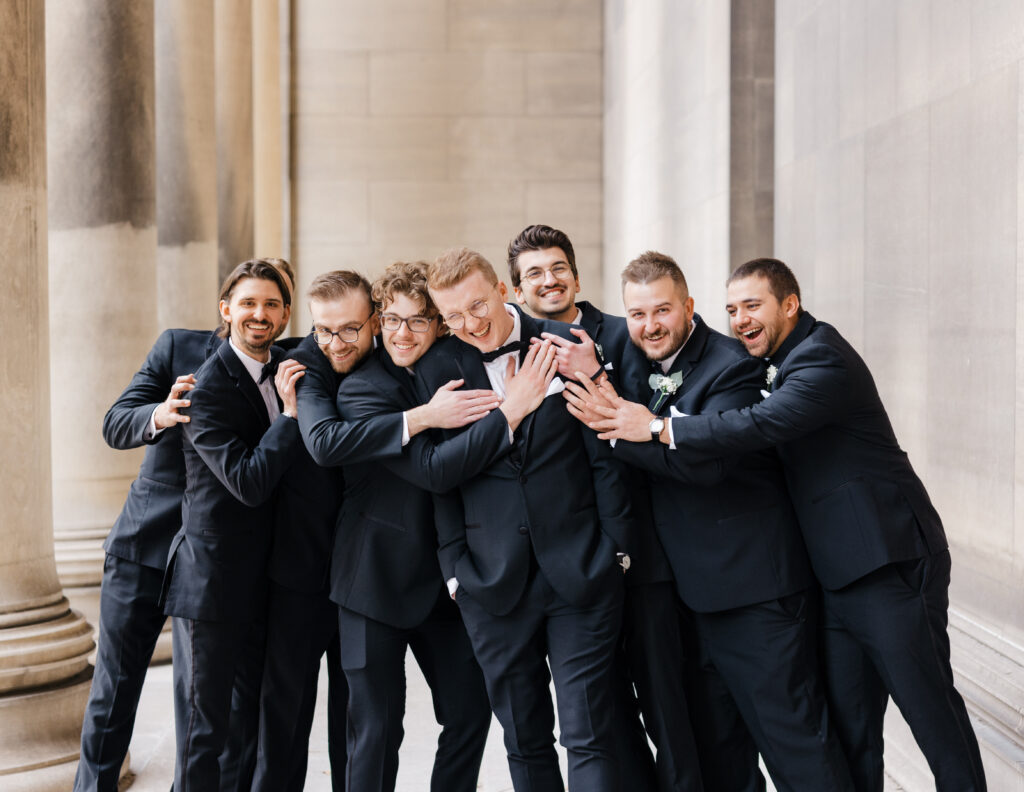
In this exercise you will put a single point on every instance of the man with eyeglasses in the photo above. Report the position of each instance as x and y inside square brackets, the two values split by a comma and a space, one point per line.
[384, 575]
[528, 546]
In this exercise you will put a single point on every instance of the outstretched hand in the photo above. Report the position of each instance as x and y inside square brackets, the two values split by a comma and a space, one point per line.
[525, 390]
[451, 408]
[289, 372]
[166, 413]
[602, 409]
[573, 357]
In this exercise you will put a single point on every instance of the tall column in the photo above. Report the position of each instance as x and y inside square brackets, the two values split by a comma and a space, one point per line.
[102, 240]
[186, 165]
[233, 48]
[44, 645]
[268, 96]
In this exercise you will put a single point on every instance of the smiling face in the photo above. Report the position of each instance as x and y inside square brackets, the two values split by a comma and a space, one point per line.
[659, 315]
[347, 312]
[756, 316]
[470, 295]
[547, 286]
[256, 312]
[403, 345]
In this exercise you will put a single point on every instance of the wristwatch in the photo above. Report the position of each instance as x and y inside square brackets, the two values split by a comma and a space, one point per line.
[656, 426]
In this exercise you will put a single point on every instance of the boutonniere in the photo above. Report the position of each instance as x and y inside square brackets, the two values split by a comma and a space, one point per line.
[664, 386]
[769, 376]
[600, 352]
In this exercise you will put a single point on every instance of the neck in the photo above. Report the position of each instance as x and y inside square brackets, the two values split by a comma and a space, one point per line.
[262, 355]
[568, 315]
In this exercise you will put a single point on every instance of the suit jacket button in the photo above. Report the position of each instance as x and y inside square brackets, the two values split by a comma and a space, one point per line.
[522, 478]
[523, 530]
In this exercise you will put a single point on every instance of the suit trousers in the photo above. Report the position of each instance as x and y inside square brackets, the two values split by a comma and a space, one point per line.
[218, 667]
[885, 635]
[373, 658]
[658, 652]
[131, 618]
[761, 661]
[301, 627]
[515, 650]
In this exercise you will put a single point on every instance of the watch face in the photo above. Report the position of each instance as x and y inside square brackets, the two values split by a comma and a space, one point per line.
[657, 425]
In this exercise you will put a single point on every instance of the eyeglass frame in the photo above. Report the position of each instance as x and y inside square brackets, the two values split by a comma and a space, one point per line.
[338, 333]
[484, 310]
[539, 273]
[406, 320]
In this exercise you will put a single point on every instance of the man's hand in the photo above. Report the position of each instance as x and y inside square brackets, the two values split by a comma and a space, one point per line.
[526, 390]
[166, 414]
[611, 416]
[289, 373]
[449, 408]
[574, 357]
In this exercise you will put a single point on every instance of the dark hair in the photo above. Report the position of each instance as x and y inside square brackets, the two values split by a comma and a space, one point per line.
[781, 279]
[455, 265]
[284, 266]
[253, 268]
[539, 237]
[338, 283]
[650, 266]
[403, 277]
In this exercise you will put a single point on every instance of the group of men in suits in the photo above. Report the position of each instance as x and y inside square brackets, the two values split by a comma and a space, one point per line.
[664, 522]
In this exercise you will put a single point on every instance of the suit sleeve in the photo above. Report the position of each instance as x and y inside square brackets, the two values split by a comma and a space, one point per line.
[126, 421]
[249, 474]
[333, 441]
[737, 386]
[428, 462]
[450, 521]
[610, 491]
[817, 387]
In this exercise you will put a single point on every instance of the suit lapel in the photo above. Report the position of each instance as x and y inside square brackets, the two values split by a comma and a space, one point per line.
[244, 382]
[403, 383]
[684, 363]
[529, 329]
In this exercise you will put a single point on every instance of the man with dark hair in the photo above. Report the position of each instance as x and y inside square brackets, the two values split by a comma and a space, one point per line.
[238, 442]
[875, 541]
[735, 548]
[131, 612]
[528, 546]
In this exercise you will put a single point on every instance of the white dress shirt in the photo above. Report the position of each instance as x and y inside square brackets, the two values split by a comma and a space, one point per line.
[266, 388]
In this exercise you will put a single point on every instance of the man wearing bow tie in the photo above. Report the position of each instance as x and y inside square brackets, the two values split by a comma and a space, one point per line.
[734, 544]
[237, 443]
[528, 546]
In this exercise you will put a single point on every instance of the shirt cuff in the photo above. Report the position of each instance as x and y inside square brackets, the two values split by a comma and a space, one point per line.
[151, 430]
[453, 586]
[405, 430]
[671, 436]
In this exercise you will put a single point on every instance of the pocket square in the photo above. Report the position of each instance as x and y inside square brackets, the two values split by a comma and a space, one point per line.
[556, 386]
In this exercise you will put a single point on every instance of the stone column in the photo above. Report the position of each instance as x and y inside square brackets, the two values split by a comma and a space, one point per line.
[268, 97]
[233, 48]
[44, 645]
[186, 165]
[102, 241]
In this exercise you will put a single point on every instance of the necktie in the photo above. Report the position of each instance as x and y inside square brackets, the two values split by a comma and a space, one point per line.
[515, 346]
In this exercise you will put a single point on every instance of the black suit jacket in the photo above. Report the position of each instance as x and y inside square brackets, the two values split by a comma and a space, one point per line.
[307, 500]
[152, 511]
[234, 458]
[728, 528]
[558, 491]
[860, 504]
[647, 557]
[385, 559]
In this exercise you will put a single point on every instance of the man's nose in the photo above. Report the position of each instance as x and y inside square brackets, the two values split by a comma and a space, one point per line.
[549, 278]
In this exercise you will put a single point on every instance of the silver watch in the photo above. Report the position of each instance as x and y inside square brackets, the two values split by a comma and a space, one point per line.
[656, 426]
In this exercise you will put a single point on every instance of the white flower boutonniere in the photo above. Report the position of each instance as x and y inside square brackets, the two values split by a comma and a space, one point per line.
[664, 387]
[769, 376]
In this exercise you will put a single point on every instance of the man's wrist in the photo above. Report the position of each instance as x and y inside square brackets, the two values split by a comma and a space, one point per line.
[290, 413]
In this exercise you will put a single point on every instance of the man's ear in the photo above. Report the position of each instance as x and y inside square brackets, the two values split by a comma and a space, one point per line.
[791, 305]
[520, 298]
[225, 310]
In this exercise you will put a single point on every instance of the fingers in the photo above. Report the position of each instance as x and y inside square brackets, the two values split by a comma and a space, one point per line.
[452, 385]
[558, 341]
[580, 333]
[510, 368]
[549, 363]
[609, 391]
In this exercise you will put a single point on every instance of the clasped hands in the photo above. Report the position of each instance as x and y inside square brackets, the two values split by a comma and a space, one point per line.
[601, 408]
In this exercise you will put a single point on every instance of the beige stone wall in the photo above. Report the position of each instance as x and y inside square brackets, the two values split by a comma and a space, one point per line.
[898, 204]
[424, 124]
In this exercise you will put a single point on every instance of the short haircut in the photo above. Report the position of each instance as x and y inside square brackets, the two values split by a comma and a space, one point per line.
[337, 284]
[651, 266]
[284, 266]
[781, 280]
[538, 237]
[253, 268]
[403, 277]
[455, 265]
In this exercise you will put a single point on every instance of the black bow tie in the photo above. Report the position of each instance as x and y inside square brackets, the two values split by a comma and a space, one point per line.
[269, 370]
[515, 346]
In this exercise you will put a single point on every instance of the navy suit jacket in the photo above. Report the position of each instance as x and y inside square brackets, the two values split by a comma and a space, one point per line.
[647, 557]
[728, 528]
[234, 458]
[308, 499]
[385, 559]
[860, 504]
[152, 511]
[557, 491]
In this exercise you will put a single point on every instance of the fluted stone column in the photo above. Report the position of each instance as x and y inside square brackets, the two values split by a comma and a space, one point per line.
[44, 645]
[269, 128]
[186, 165]
[233, 48]
[102, 241]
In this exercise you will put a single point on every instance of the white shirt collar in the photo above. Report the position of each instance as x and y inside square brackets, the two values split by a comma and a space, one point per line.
[579, 317]
[666, 364]
[253, 366]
